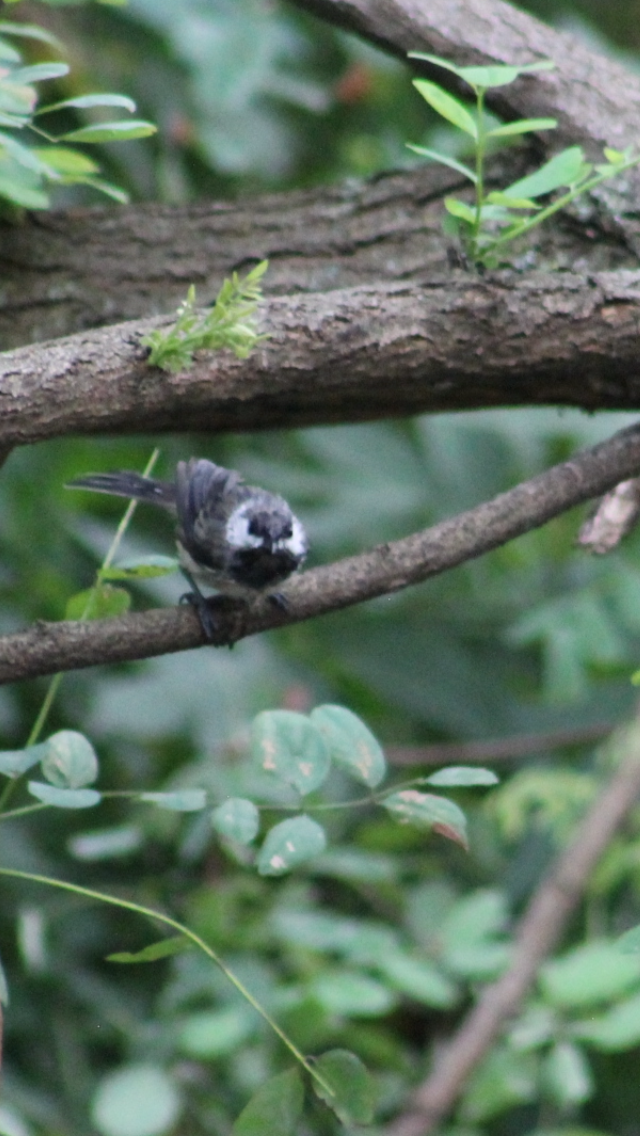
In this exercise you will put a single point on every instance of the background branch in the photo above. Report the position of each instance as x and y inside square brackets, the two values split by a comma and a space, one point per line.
[50, 647]
[537, 934]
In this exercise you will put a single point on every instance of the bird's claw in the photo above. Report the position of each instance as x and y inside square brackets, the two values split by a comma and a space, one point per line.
[205, 614]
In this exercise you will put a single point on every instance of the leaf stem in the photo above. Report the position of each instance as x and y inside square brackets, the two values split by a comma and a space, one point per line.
[168, 921]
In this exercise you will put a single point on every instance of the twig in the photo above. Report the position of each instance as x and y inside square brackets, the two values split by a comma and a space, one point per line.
[50, 647]
[538, 932]
[495, 749]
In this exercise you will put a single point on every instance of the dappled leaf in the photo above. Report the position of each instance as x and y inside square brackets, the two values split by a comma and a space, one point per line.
[350, 743]
[428, 811]
[290, 843]
[69, 760]
[238, 819]
[291, 747]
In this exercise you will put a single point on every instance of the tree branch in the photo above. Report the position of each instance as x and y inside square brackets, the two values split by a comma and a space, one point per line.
[64, 272]
[459, 342]
[49, 647]
[538, 933]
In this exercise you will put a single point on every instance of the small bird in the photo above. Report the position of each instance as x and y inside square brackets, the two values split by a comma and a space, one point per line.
[233, 537]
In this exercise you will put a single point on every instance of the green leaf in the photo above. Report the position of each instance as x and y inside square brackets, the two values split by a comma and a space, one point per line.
[629, 943]
[276, 1108]
[38, 72]
[354, 1094]
[69, 761]
[99, 602]
[136, 1100]
[350, 743]
[23, 195]
[446, 106]
[98, 100]
[238, 819]
[592, 973]
[462, 775]
[289, 745]
[445, 160]
[24, 156]
[164, 948]
[428, 811]
[497, 75]
[290, 843]
[64, 798]
[498, 198]
[522, 126]
[566, 1075]
[613, 1031]
[65, 161]
[141, 568]
[179, 801]
[460, 209]
[30, 31]
[564, 169]
[111, 132]
[214, 1033]
[419, 979]
[106, 843]
[349, 993]
[13, 762]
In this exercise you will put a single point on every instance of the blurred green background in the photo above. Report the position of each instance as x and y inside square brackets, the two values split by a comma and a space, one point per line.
[535, 639]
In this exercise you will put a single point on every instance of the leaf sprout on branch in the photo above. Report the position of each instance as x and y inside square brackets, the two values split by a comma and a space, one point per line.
[229, 323]
[501, 216]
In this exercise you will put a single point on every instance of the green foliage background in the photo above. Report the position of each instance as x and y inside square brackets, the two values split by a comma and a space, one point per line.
[380, 943]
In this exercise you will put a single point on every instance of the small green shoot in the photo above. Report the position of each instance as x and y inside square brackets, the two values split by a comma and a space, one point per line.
[501, 216]
[229, 323]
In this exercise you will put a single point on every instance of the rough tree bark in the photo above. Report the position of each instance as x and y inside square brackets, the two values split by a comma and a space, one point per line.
[362, 291]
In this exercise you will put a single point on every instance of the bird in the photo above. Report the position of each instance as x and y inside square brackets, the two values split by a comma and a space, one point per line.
[238, 539]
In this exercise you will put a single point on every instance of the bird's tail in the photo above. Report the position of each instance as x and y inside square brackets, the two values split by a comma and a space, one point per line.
[125, 483]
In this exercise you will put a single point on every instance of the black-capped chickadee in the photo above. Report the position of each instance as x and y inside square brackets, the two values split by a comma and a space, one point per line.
[230, 536]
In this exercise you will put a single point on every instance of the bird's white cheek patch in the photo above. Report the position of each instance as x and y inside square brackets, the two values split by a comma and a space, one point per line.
[238, 535]
[296, 544]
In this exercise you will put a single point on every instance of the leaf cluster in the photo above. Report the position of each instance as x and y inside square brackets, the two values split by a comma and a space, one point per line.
[230, 324]
[28, 172]
[499, 217]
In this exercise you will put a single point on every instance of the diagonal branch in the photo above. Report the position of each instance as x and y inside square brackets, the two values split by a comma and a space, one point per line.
[49, 647]
[595, 98]
[539, 931]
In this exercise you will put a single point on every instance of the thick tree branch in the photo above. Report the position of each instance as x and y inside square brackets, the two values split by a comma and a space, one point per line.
[538, 933]
[64, 272]
[50, 647]
[459, 342]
